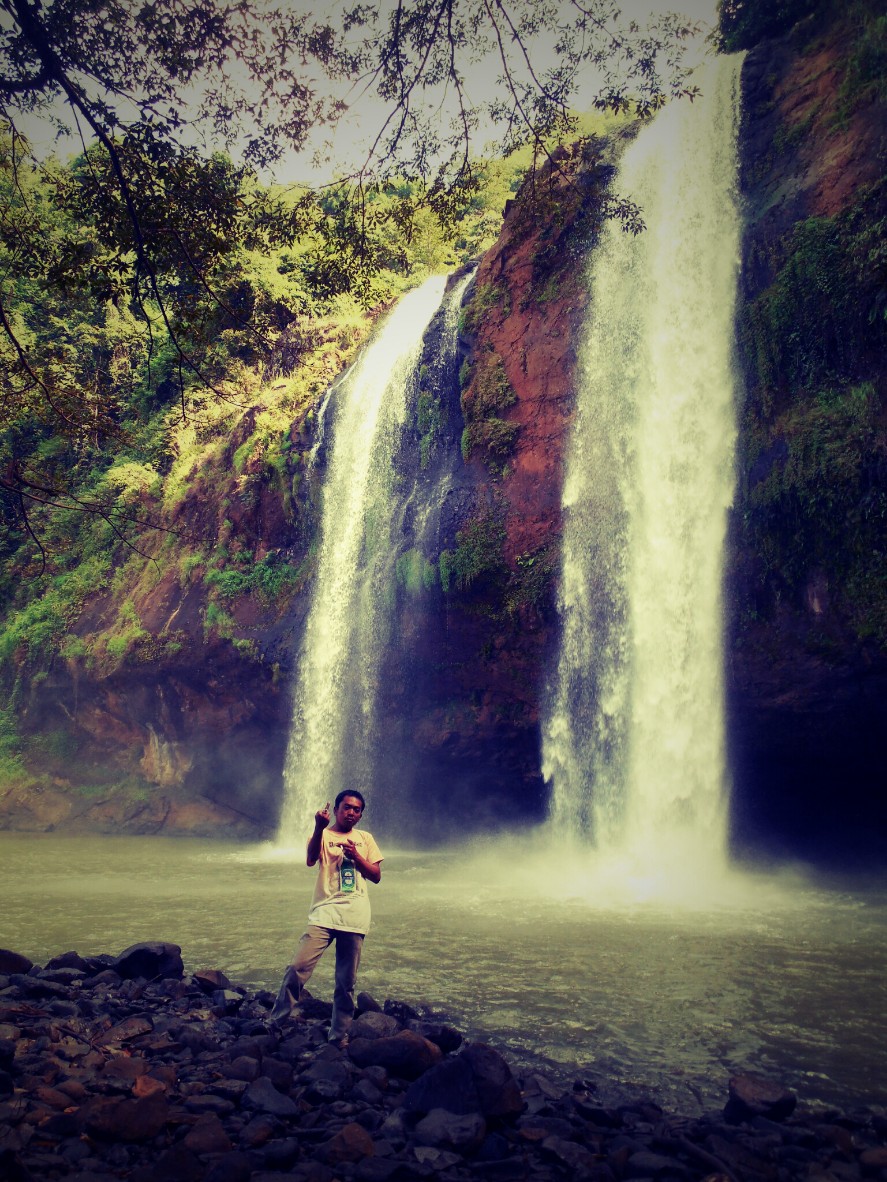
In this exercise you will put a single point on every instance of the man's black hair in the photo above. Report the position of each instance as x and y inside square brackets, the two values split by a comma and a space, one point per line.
[350, 792]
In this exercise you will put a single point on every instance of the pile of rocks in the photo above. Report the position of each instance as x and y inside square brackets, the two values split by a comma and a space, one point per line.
[124, 1067]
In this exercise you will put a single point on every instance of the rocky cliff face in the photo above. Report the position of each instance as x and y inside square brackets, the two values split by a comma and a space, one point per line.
[170, 710]
[467, 670]
[192, 721]
[807, 671]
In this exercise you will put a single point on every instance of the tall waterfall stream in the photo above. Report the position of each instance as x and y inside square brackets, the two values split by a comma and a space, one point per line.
[338, 663]
[634, 737]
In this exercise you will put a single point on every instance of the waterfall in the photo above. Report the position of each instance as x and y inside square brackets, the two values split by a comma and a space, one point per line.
[633, 740]
[330, 738]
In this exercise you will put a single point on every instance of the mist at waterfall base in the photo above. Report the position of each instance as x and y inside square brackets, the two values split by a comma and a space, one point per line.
[517, 947]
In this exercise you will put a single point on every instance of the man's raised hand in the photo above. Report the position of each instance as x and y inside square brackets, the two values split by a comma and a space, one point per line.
[322, 817]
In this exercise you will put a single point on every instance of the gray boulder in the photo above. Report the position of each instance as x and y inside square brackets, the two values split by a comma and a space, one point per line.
[476, 1080]
[752, 1095]
[406, 1055]
[263, 1095]
[69, 960]
[14, 962]
[496, 1087]
[449, 1085]
[151, 960]
[375, 1024]
[463, 1132]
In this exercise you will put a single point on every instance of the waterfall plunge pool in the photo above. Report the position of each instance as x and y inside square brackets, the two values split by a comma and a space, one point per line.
[527, 948]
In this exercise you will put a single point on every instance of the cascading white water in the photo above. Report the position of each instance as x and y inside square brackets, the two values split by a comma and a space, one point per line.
[329, 745]
[633, 741]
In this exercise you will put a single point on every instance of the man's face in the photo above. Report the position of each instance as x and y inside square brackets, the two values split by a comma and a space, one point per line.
[348, 813]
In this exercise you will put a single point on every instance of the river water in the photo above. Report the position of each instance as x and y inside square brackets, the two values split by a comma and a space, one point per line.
[771, 973]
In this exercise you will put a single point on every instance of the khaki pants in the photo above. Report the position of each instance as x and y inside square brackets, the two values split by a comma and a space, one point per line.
[311, 947]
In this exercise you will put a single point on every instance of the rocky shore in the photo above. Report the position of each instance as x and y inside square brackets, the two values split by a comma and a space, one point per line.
[126, 1067]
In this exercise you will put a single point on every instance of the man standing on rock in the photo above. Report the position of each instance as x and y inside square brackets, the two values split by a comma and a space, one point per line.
[340, 910]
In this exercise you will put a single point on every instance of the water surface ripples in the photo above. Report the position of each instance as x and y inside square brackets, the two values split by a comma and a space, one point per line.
[634, 994]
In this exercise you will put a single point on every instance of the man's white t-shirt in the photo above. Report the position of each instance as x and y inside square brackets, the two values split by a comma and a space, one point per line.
[331, 907]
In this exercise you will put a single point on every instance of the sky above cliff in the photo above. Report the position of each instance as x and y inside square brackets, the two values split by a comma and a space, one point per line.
[342, 149]
[346, 146]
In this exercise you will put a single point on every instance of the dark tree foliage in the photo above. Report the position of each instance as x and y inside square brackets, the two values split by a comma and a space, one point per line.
[743, 23]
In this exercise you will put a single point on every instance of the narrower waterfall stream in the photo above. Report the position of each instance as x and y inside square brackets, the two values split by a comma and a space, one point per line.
[634, 736]
[330, 740]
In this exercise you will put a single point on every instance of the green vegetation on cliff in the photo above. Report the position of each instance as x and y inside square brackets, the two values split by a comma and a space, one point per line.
[486, 398]
[176, 529]
[813, 339]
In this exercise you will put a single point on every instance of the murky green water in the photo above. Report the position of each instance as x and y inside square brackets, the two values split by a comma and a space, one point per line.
[775, 976]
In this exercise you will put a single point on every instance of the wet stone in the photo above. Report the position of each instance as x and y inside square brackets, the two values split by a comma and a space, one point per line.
[74, 1150]
[243, 1068]
[263, 1095]
[350, 1144]
[752, 1095]
[231, 1089]
[515, 1170]
[7, 1054]
[231, 1167]
[280, 1154]
[259, 1131]
[150, 960]
[122, 1067]
[91, 1113]
[438, 1159]
[52, 1097]
[227, 1001]
[63, 976]
[280, 1073]
[365, 1092]
[378, 1169]
[377, 1076]
[207, 1102]
[448, 1085]
[446, 1037]
[178, 1164]
[496, 1086]
[125, 1030]
[33, 987]
[375, 1024]
[370, 1118]
[366, 1003]
[647, 1164]
[459, 1131]
[14, 962]
[406, 1054]
[209, 980]
[323, 1091]
[208, 1136]
[147, 1085]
